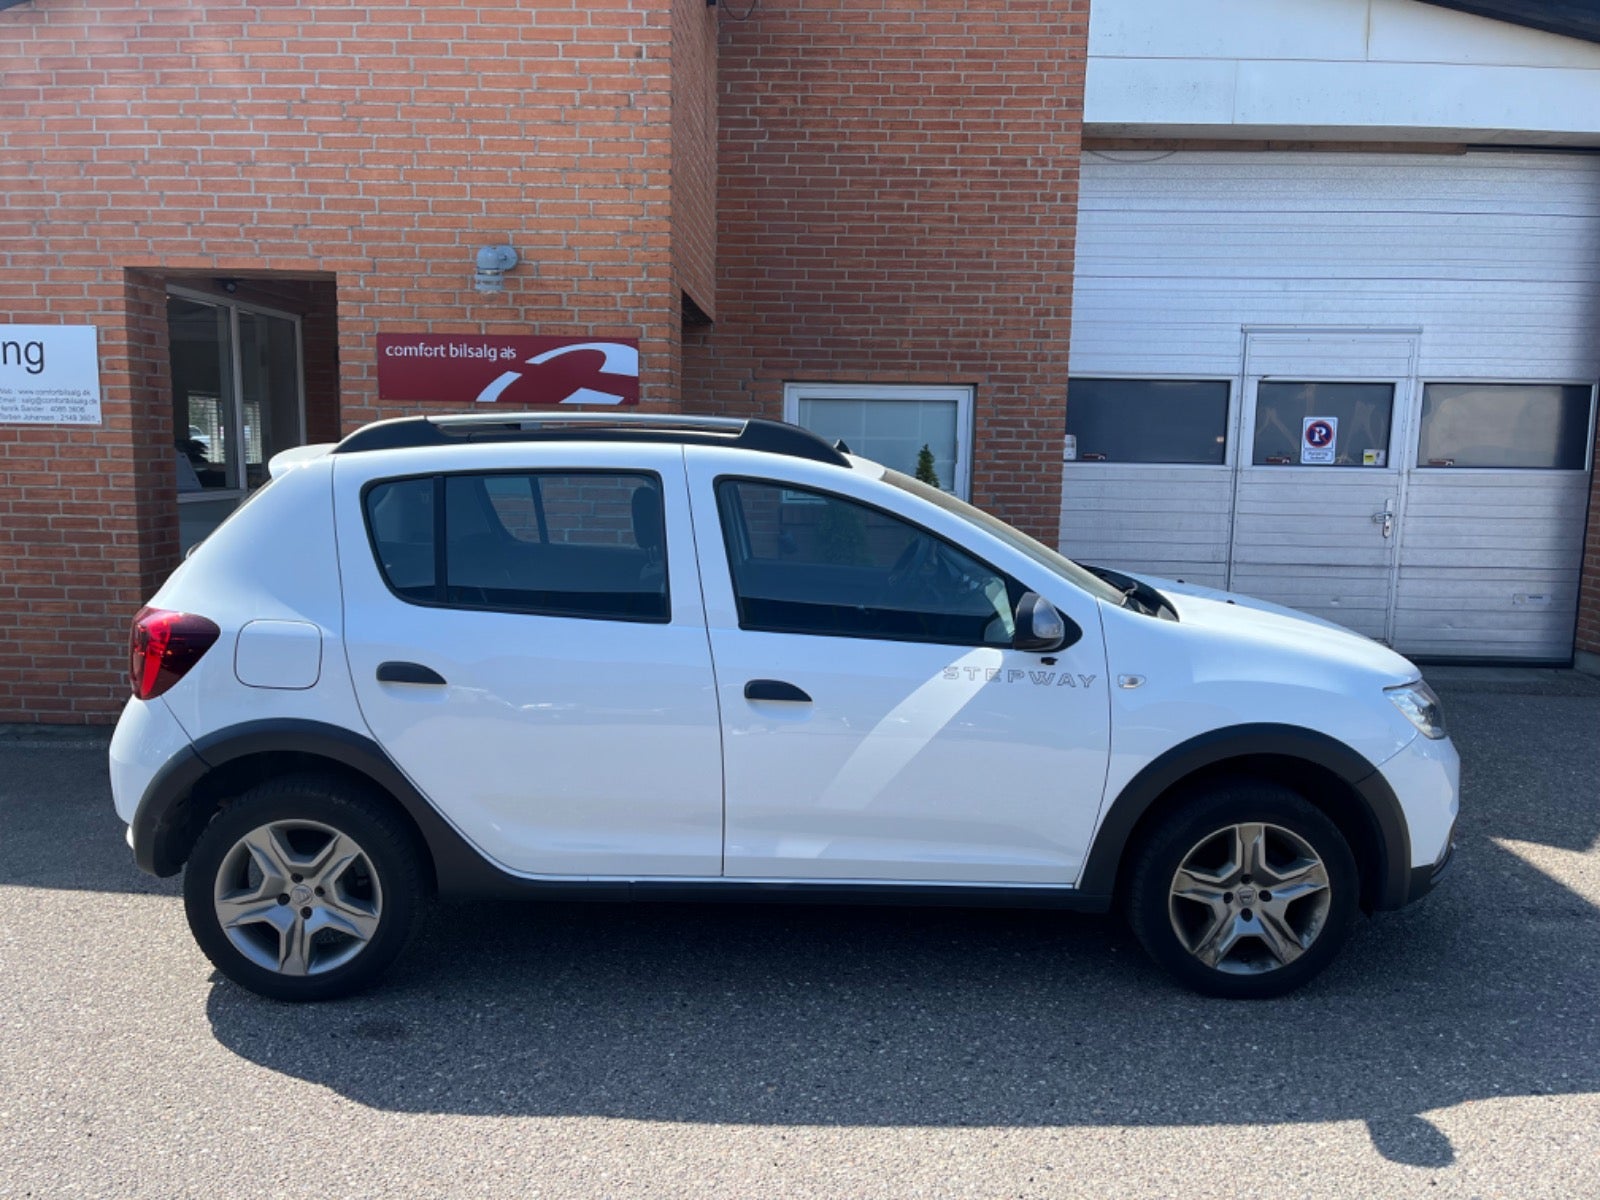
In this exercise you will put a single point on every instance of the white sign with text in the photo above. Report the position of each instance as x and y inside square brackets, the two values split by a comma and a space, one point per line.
[49, 375]
[1319, 441]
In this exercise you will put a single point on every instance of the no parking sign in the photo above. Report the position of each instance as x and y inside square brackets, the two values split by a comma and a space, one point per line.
[1319, 437]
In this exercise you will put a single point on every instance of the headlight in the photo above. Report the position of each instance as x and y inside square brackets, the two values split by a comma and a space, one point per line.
[1420, 705]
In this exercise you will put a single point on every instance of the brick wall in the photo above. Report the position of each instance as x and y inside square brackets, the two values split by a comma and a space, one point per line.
[374, 146]
[694, 151]
[72, 535]
[896, 203]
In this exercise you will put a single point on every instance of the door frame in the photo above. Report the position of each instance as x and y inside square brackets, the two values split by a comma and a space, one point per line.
[1402, 420]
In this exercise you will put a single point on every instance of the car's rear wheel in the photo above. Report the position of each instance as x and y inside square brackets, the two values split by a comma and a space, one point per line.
[304, 888]
[1244, 891]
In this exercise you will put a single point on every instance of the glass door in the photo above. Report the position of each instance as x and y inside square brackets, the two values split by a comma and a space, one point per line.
[1317, 496]
[269, 390]
[236, 401]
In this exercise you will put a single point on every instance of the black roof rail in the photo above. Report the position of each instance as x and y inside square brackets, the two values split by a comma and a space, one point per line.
[738, 433]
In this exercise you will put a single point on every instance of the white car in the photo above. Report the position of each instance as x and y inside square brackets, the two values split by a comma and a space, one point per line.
[682, 657]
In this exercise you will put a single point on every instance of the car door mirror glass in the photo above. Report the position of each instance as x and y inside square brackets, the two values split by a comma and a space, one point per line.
[1040, 627]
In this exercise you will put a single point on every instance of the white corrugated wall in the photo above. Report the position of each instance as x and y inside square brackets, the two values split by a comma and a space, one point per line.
[1494, 257]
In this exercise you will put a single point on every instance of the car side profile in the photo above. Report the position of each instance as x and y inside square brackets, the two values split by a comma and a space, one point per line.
[681, 657]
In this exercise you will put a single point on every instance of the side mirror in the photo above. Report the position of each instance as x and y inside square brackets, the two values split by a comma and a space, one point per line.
[1040, 628]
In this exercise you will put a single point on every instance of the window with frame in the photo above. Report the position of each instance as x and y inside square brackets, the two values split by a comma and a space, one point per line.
[811, 562]
[1512, 426]
[1149, 420]
[553, 543]
[1351, 422]
[892, 424]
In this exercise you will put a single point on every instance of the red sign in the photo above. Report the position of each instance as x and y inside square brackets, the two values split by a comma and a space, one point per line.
[517, 372]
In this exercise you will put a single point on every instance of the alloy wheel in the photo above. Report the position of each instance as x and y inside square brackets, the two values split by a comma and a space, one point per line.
[1249, 898]
[298, 897]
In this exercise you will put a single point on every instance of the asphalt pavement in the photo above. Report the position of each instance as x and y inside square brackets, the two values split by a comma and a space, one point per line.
[596, 1050]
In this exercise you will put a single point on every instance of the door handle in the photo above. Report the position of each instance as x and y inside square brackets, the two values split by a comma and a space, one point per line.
[774, 689]
[1385, 518]
[409, 672]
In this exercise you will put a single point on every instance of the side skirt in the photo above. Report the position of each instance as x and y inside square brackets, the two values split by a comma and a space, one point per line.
[784, 891]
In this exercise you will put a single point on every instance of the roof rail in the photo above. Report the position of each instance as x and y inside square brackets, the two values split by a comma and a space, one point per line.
[738, 433]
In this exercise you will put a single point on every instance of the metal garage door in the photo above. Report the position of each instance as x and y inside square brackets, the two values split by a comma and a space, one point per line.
[1446, 305]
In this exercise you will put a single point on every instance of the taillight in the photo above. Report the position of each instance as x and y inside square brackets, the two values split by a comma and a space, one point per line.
[162, 648]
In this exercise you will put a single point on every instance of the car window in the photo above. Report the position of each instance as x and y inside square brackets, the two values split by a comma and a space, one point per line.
[573, 543]
[810, 562]
[400, 519]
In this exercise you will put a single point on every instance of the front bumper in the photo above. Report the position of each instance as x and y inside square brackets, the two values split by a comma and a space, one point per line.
[1426, 780]
[1423, 879]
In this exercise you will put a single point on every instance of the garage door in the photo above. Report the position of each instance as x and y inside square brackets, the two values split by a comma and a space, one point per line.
[1358, 384]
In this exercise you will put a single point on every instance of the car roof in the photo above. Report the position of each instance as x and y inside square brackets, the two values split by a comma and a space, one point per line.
[734, 433]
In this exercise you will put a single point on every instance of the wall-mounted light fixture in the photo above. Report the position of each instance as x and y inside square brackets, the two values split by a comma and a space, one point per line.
[492, 264]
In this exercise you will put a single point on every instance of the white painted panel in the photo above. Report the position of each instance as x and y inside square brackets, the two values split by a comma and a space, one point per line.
[1318, 67]
[1227, 29]
[1382, 96]
[1323, 30]
[1398, 29]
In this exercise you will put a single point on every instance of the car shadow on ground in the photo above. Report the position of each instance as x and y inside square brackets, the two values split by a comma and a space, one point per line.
[881, 1016]
[903, 1017]
[888, 1017]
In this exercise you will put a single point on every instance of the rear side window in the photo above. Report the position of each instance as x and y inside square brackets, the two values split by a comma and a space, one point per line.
[570, 544]
[400, 519]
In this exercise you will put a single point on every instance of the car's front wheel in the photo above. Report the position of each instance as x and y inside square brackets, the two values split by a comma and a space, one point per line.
[304, 888]
[1245, 891]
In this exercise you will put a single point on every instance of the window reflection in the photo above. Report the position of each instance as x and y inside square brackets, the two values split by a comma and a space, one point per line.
[1506, 425]
[1148, 420]
[202, 390]
[1360, 414]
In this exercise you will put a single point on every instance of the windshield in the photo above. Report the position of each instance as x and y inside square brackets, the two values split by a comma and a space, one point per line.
[1015, 538]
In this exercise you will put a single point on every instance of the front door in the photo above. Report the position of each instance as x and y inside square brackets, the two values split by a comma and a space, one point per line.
[877, 724]
[1317, 498]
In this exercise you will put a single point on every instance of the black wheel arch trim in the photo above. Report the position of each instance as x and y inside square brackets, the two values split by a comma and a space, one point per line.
[164, 830]
[164, 826]
[1380, 806]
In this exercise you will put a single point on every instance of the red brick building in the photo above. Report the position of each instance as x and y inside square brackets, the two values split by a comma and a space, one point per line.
[782, 203]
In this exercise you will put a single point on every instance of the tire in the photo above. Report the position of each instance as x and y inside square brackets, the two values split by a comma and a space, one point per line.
[304, 888]
[1227, 934]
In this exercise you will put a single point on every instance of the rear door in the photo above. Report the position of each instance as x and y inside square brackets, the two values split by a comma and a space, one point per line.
[877, 723]
[527, 639]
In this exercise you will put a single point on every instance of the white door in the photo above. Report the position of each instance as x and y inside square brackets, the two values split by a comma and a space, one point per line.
[1318, 492]
[543, 675]
[877, 724]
